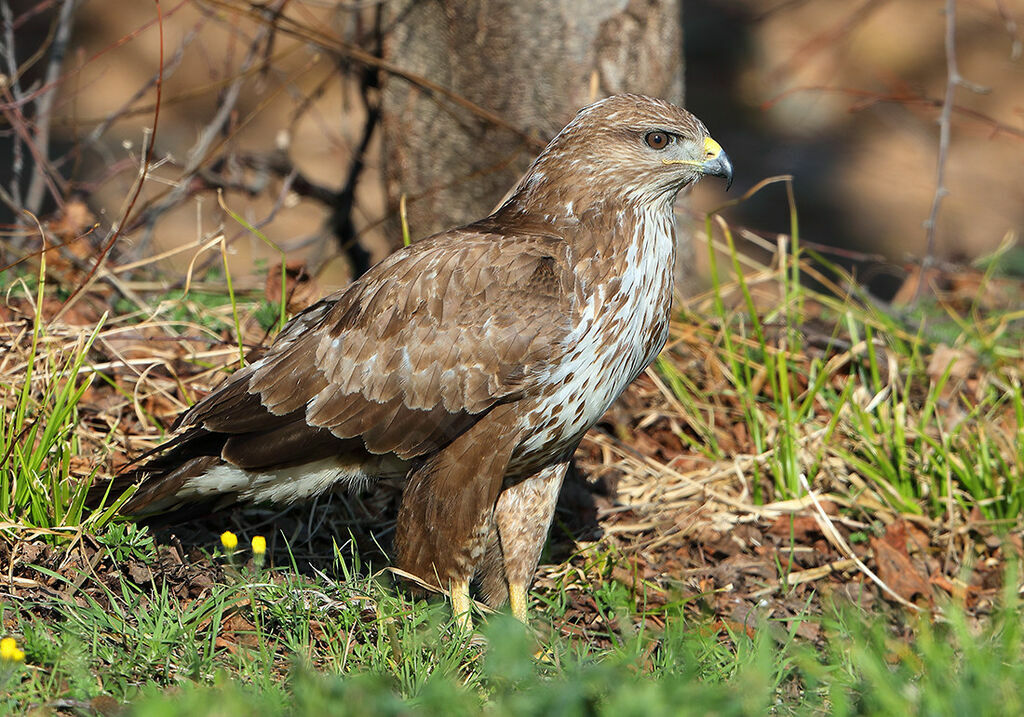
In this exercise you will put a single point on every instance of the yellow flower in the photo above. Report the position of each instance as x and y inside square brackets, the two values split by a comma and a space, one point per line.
[9, 651]
[259, 545]
[229, 540]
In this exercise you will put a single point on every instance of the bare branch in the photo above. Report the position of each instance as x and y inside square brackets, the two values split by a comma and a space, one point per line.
[12, 85]
[206, 142]
[945, 120]
[1016, 46]
[144, 170]
[44, 105]
[825, 39]
[326, 42]
[869, 98]
[953, 80]
[168, 71]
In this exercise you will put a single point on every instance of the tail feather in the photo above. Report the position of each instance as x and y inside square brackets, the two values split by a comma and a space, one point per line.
[161, 476]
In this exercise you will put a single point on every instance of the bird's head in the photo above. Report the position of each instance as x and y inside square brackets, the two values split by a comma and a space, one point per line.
[638, 149]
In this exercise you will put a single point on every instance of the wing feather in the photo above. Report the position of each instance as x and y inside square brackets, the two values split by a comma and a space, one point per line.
[414, 352]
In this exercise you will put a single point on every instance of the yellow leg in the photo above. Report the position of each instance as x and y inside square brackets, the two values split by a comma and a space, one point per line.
[518, 601]
[461, 605]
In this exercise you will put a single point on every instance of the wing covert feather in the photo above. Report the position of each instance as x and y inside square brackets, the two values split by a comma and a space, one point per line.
[418, 349]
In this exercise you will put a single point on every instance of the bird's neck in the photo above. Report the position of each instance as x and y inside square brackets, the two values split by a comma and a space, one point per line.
[598, 228]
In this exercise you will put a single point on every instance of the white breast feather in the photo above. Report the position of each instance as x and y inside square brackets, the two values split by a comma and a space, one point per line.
[601, 369]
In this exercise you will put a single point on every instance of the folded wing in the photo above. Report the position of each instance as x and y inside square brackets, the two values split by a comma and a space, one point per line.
[409, 356]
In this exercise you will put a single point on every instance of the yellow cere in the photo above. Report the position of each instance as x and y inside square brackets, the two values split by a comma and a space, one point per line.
[229, 540]
[711, 148]
[259, 545]
[9, 651]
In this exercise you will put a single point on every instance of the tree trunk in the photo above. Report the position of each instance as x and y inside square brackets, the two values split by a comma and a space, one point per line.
[533, 63]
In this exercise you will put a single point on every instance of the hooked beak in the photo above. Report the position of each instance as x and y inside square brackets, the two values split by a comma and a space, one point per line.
[717, 163]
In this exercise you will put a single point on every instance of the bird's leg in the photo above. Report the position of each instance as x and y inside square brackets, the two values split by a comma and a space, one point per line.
[519, 601]
[522, 517]
[446, 513]
[461, 605]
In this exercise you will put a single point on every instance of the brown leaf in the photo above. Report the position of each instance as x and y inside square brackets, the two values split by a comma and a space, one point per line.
[896, 536]
[239, 628]
[895, 570]
[907, 538]
[301, 289]
[725, 625]
[645, 444]
[957, 588]
[974, 288]
[106, 705]
[29, 552]
[799, 527]
[71, 222]
[669, 443]
[958, 361]
[140, 573]
[908, 292]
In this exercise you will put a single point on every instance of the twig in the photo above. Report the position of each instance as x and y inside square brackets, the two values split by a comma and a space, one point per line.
[1016, 46]
[825, 40]
[13, 83]
[870, 98]
[147, 162]
[44, 104]
[279, 202]
[330, 44]
[953, 79]
[168, 71]
[834, 537]
[805, 576]
[200, 151]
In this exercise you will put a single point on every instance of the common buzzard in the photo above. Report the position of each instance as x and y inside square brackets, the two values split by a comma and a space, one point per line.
[471, 362]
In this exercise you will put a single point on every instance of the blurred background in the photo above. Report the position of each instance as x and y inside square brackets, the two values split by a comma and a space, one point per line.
[315, 119]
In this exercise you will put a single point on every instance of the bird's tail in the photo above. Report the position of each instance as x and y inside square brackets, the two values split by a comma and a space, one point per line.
[158, 475]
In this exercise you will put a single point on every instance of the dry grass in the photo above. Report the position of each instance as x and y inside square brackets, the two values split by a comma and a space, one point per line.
[789, 452]
[793, 449]
[766, 387]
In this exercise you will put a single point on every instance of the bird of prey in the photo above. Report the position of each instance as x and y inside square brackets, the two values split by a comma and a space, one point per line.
[471, 362]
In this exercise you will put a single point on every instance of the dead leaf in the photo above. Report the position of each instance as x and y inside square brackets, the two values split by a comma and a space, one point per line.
[896, 536]
[239, 628]
[140, 573]
[72, 221]
[106, 705]
[800, 527]
[301, 290]
[959, 362]
[895, 570]
[909, 292]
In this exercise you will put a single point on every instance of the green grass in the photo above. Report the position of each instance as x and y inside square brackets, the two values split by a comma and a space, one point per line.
[38, 437]
[869, 420]
[273, 642]
[917, 438]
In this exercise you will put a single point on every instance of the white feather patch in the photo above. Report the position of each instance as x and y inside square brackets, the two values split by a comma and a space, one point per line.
[602, 362]
[287, 485]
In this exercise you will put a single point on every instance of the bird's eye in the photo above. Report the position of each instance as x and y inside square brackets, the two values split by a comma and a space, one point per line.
[657, 140]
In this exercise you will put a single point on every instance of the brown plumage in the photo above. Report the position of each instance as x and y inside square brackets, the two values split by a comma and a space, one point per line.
[471, 362]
